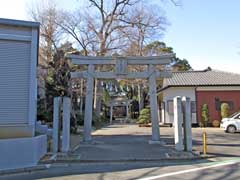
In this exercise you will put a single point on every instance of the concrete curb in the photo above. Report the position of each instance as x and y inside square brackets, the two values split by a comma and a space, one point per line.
[24, 170]
[170, 159]
[44, 165]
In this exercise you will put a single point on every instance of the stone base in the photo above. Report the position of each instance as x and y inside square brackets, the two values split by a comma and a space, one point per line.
[157, 142]
[22, 152]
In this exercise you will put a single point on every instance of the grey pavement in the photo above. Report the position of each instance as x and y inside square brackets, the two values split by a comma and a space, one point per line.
[127, 142]
[219, 143]
[130, 142]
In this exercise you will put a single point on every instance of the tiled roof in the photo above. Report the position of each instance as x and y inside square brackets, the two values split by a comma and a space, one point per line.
[202, 78]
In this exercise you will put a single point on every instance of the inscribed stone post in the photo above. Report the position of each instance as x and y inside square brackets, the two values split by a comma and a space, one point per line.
[178, 121]
[56, 106]
[66, 124]
[186, 102]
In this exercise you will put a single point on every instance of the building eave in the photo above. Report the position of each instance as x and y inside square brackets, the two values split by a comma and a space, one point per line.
[21, 23]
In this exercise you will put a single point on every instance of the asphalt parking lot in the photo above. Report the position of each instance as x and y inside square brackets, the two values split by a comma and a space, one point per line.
[219, 143]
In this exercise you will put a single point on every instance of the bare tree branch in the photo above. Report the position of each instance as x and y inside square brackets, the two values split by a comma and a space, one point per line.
[176, 2]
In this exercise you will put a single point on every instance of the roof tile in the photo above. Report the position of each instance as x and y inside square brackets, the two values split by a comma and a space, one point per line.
[201, 78]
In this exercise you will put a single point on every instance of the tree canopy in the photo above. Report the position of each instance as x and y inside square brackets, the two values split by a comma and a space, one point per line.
[99, 28]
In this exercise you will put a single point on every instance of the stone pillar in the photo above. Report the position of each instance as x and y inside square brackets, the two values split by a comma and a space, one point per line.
[56, 129]
[162, 113]
[111, 113]
[127, 113]
[88, 105]
[187, 123]
[178, 120]
[66, 124]
[153, 104]
[159, 117]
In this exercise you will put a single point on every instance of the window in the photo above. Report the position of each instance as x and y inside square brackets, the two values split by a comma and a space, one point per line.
[217, 104]
[230, 103]
[238, 117]
[170, 106]
[193, 107]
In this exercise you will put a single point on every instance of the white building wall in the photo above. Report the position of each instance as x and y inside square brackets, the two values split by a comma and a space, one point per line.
[18, 85]
[169, 94]
[19, 147]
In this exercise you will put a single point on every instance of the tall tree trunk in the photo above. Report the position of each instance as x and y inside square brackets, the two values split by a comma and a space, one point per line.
[98, 89]
[140, 97]
[97, 97]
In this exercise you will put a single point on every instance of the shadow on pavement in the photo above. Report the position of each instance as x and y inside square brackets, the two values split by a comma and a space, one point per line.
[128, 147]
[99, 170]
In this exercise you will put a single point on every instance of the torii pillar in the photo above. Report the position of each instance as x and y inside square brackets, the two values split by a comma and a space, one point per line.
[88, 106]
[154, 107]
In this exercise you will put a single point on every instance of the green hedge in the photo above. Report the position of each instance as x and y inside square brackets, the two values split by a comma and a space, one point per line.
[144, 117]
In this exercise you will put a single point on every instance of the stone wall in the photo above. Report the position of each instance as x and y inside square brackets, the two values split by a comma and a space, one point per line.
[22, 152]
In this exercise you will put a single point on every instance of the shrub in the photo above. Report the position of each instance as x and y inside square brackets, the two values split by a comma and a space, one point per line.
[200, 124]
[80, 119]
[205, 115]
[144, 117]
[224, 110]
[215, 123]
[98, 121]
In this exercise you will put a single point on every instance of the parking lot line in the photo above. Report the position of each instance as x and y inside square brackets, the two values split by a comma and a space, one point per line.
[216, 164]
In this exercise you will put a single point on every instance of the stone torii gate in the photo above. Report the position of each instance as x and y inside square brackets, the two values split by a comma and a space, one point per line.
[121, 72]
[112, 103]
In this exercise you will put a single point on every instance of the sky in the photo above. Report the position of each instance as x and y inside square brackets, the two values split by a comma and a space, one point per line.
[205, 32]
